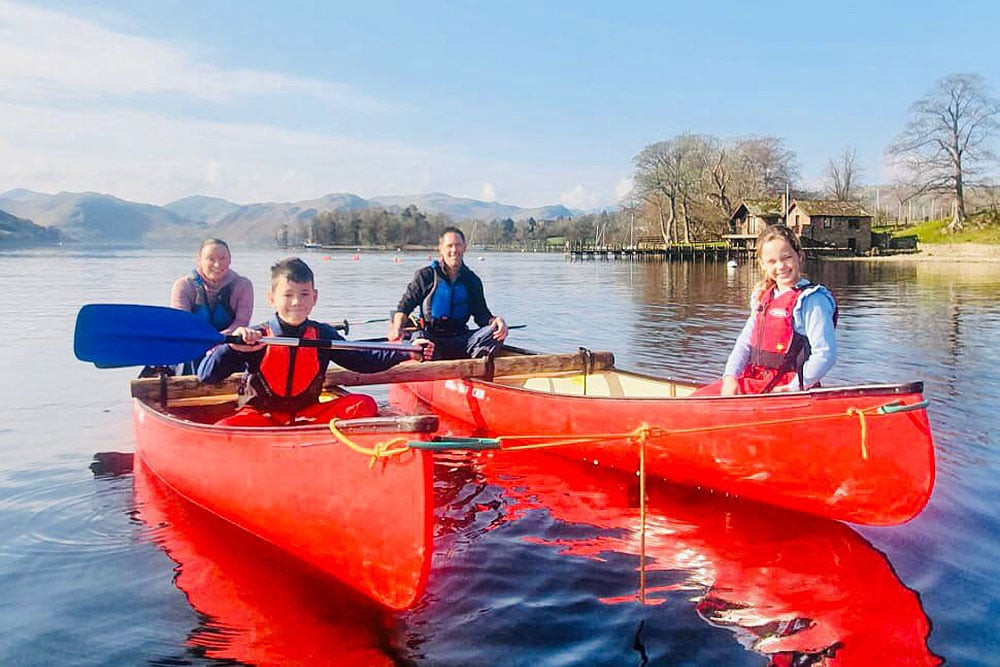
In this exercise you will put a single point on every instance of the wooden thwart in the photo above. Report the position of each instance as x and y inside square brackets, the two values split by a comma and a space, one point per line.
[148, 389]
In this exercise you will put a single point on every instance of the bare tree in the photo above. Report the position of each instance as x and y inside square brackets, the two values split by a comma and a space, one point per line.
[842, 175]
[670, 177]
[947, 140]
[766, 166]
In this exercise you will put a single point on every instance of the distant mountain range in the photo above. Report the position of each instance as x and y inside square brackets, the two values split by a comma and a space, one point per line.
[16, 232]
[91, 217]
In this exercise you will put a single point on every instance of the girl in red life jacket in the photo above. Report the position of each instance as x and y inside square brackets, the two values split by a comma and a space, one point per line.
[787, 343]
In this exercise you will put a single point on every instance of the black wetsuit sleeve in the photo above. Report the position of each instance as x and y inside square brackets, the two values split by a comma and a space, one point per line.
[417, 290]
[362, 361]
[223, 361]
[477, 299]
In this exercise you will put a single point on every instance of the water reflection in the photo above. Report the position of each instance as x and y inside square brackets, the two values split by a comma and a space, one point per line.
[797, 589]
[257, 605]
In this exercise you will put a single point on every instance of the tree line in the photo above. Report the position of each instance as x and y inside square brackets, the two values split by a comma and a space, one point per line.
[688, 187]
[409, 227]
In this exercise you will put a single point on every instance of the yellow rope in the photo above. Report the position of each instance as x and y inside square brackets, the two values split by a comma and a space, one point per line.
[380, 450]
[640, 434]
[646, 431]
[864, 430]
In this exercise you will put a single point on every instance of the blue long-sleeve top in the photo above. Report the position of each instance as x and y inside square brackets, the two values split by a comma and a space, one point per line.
[812, 317]
[223, 361]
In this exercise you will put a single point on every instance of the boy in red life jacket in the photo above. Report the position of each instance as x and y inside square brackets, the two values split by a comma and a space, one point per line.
[787, 343]
[284, 383]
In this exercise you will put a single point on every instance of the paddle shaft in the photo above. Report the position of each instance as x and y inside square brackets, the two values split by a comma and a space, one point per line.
[287, 341]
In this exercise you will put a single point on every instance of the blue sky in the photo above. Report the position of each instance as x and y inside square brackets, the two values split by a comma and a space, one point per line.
[526, 103]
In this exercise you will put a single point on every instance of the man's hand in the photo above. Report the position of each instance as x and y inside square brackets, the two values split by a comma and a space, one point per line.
[426, 354]
[395, 332]
[730, 387]
[499, 328]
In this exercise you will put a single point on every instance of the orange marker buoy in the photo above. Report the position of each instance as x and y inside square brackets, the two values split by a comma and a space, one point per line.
[326, 258]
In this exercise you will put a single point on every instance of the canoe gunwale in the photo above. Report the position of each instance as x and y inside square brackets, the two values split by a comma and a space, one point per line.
[423, 423]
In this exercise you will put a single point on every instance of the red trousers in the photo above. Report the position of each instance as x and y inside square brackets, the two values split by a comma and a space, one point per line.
[352, 406]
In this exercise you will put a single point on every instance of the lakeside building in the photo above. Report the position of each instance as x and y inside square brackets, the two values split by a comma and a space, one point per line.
[819, 223]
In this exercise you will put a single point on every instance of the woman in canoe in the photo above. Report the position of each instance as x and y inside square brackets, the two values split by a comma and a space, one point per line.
[214, 291]
[284, 384]
[787, 343]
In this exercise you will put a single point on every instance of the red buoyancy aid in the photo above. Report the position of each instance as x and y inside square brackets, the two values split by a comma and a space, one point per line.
[777, 351]
[289, 378]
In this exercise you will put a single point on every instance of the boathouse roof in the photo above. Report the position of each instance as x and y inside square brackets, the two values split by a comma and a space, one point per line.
[830, 207]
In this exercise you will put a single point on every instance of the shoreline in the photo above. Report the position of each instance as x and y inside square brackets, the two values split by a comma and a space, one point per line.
[935, 252]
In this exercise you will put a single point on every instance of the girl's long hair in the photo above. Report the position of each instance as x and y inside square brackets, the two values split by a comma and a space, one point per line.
[770, 234]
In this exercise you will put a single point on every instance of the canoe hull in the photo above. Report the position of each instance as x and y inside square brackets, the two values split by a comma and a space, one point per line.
[824, 452]
[308, 494]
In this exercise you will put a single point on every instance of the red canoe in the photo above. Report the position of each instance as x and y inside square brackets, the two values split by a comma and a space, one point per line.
[862, 454]
[304, 490]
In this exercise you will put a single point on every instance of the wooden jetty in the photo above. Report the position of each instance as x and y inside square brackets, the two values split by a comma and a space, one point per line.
[654, 249]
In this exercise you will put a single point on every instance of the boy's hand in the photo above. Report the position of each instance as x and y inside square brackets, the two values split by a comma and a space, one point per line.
[427, 351]
[730, 387]
[250, 337]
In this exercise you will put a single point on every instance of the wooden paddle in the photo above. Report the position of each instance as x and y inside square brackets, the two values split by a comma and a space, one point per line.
[117, 335]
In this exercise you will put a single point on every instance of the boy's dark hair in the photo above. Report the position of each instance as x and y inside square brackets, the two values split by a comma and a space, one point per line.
[451, 230]
[292, 268]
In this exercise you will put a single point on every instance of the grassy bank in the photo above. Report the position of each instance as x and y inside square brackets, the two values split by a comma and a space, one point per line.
[979, 228]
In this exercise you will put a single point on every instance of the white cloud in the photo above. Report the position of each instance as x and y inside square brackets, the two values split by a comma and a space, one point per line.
[88, 107]
[154, 158]
[578, 197]
[45, 55]
[623, 187]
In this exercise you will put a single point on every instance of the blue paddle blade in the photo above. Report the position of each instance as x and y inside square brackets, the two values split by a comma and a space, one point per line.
[116, 335]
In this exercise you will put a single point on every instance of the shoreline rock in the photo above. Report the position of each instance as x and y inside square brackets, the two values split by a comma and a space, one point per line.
[936, 252]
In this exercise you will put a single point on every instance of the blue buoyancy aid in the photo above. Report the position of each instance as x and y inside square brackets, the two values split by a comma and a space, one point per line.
[447, 304]
[220, 314]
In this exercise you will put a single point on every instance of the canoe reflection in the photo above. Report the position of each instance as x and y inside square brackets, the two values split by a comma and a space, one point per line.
[259, 606]
[800, 590]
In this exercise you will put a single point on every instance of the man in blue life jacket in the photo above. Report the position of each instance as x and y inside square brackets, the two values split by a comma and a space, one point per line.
[448, 293]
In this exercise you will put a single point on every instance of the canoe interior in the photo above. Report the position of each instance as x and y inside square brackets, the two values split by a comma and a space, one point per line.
[609, 383]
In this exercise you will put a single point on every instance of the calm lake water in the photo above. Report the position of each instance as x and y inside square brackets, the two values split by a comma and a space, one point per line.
[536, 562]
